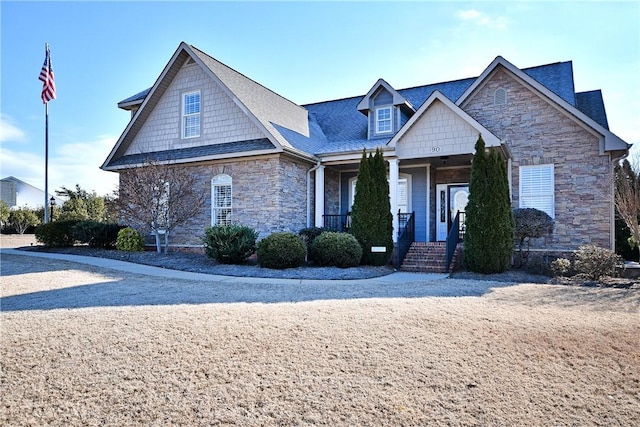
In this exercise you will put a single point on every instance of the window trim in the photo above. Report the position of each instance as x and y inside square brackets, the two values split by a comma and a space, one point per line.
[221, 180]
[550, 171]
[378, 121]
[184, 115]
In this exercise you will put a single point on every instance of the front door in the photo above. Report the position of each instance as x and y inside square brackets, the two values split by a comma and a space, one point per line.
[450, 198]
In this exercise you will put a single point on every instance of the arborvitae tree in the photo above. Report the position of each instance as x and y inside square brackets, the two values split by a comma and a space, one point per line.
[488, 240]
[371, 219]
[361, 219]
[384, 217]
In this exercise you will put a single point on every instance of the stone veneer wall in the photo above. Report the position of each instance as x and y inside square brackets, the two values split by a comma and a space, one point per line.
[269, 194]
[538, 133]
[331, 191]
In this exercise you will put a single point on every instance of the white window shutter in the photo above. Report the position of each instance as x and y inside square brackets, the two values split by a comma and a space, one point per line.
[537, 188]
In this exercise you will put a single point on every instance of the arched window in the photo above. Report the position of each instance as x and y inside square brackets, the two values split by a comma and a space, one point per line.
[221, 200]
[500, 97]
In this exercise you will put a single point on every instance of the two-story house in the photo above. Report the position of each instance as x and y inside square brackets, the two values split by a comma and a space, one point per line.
[271, 164]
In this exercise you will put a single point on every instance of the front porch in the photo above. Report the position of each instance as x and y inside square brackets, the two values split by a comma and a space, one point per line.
[412, 256]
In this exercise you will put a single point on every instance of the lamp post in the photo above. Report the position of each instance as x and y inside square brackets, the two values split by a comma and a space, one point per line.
[52, 203]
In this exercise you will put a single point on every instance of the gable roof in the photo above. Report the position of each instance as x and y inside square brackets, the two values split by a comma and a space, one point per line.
[609, 141]
[490, 139]
[337, 126]
[365, 103]
[263, 106]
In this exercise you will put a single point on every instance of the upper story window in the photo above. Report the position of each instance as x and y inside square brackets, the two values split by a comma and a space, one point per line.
[384, 120]
[191, 114]
[537, 188]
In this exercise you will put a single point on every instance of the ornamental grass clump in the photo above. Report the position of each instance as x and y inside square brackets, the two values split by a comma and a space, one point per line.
[596, 262]
[230, 244]
[336, 249]
[281, 250]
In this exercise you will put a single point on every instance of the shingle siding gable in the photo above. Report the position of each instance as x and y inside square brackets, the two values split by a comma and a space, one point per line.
[221, 120]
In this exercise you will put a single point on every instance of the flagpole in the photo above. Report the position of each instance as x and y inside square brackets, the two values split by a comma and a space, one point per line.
[46, 162]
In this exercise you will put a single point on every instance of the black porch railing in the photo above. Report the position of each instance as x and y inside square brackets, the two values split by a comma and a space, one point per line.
[455, 236]
[406, 235]
[340, 223]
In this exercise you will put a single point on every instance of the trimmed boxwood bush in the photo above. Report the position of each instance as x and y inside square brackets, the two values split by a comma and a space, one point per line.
[56, 234]
[230, 244]
[281, 250]
[129, 240]
[336, 249]
[97, 234]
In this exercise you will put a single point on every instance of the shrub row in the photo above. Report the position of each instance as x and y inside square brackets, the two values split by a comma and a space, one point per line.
[233, 244]
[57, 234]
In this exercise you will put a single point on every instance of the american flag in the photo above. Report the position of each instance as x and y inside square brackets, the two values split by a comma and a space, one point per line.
[46, 76]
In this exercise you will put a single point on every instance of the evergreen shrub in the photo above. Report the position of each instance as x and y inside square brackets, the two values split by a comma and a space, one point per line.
[371, 218]
[56, 234]
[336, 249]
[530, 224]
[129, 240]
[281, 250]
[488, 240]
[230, 244]
[97, 234]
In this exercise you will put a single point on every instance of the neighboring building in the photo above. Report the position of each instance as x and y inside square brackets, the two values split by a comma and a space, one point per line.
[17, 193]
[271, 164]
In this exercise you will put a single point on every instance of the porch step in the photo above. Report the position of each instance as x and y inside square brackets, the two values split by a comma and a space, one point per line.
[429, 257]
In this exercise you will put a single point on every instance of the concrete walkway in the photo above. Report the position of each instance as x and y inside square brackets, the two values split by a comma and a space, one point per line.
[128, 267]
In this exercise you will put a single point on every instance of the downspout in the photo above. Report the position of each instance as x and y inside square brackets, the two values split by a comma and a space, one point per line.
[313, 169]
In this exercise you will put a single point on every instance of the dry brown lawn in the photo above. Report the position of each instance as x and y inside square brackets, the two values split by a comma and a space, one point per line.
[539, 355]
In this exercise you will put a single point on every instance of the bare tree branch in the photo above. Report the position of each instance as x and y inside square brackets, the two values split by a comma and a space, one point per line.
[159, 197]
[627, 195]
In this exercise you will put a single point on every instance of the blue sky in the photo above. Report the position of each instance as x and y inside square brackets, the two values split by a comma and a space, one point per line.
[104, 52]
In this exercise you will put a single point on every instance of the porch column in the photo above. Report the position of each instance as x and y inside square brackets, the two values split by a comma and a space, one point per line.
[319, 196]
[393, 194]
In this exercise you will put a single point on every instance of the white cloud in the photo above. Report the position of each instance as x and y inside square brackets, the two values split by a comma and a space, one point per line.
[482, 19]
[9, 132]
[69, 164]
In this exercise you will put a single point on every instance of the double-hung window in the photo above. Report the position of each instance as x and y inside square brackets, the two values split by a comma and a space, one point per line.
[384, 121]
[191, 115]
[221, 200]
[537, 188]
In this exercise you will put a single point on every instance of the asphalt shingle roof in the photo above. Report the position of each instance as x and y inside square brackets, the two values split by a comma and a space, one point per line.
[194, 152]
[592, 104]
[337, 125]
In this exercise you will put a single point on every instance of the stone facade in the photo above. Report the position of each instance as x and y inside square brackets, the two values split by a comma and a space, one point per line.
[539, 133]
[268, 194]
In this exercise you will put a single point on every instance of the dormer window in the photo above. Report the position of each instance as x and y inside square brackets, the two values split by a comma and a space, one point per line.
[191, 115]
[384, 120]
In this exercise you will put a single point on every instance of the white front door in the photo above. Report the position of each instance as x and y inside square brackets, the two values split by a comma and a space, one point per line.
[450, 198]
